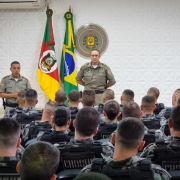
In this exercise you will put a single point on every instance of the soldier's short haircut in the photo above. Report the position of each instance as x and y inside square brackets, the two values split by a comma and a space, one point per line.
[60, 96]
[148, 102]
[74, 96]
[21, 94]
[9, 132]
[61, 115]
[112, 108]
[175, 117]
[91, 176]
[177, 93]
[96, 50]
[130, 133]
[87, 120]
[50, 107]
[31, 96]
[15, 62]
[129, 93]
[39, 161]
[131, 109]
[154, 91]
[108, 94]
[88, 98]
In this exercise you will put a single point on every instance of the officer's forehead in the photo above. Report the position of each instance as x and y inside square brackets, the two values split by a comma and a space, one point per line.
[15, 65]
[94, 52]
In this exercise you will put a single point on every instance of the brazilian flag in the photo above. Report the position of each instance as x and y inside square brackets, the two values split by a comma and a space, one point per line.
[67, 69]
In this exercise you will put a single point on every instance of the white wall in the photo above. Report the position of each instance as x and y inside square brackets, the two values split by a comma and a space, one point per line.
[144, 41]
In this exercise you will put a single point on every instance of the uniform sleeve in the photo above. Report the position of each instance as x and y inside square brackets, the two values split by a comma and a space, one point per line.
[2, 86]
[110, 76]
[80, 74]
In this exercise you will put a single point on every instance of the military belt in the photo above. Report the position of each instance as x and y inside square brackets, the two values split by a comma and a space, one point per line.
[98, 92]
[11, 104]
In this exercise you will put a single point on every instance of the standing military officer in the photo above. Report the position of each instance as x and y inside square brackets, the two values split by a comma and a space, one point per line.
[12, 84]
[95, 76]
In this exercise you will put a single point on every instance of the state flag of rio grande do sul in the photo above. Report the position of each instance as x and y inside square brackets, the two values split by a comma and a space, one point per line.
[47, 67]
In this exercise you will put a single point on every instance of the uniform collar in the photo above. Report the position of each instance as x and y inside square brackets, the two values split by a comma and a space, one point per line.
[84, 141]
[10, 77]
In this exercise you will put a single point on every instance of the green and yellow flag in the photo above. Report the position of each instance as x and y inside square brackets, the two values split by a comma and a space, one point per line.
[68, 59]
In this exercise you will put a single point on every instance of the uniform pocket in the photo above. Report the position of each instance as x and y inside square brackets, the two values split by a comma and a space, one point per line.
[9, 88]
[23, 87]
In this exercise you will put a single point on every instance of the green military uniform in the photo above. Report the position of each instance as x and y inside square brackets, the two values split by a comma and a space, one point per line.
[10, 85]
[96, 78]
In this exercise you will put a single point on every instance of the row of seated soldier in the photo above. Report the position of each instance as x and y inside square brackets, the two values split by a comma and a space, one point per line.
[56, 116]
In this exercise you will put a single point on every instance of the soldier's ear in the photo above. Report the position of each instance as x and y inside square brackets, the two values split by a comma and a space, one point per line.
[74, 124]
[113, 137]
[104, 113]
[18, 142]
[36, 101]
[119, 113]
[140, 147]
[18, 167]
[53, 177]
[95, 131]
[141, 114]
[69, 122]
[170, 123]
[141, 107]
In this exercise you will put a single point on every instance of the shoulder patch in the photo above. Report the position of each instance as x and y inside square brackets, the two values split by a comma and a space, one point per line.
[24, 78]
[85, 64]
[5, 76]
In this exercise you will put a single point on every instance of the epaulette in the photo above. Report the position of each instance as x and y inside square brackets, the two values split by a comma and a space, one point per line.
[105, 65]
[5, 76]
[24, 78]
[85, 64]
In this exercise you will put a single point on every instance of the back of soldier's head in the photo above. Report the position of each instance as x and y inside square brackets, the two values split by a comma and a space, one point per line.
[60, 97]
[9, 133]
[131, 109]
[175, 97]
[108, 94]
[91, 176]
[74, 96]
[31, 96]
[61, 115]
[153, 91]
[127, 95]
[111, 109]
[88, 98]
[20, 97]
[87, 120]
[148, 103]
[175, 118]
[49, 108]
[39, 161]
[130, 133]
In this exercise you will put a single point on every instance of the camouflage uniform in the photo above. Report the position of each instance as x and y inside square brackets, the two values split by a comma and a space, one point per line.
[9, 85]
[12, 111]
[19, 153]
[96, 78]
[148, 151]
[159, 173]
[108, 148]
[27, 111]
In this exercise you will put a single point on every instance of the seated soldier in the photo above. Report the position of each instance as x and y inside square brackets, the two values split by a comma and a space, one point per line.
[73, 102]
[132, 109]
[82, 148]
[88, 98]
[153, 91]
[38, 127]
[167, 111]
[127, 96]
[39, 161]
[149, 118]
[29, 109]
[20, 102]
[111, 113]
[10, 150]
[173, 141]
[107, 95]
[60, 98]
[125, 163]
[60, 122]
